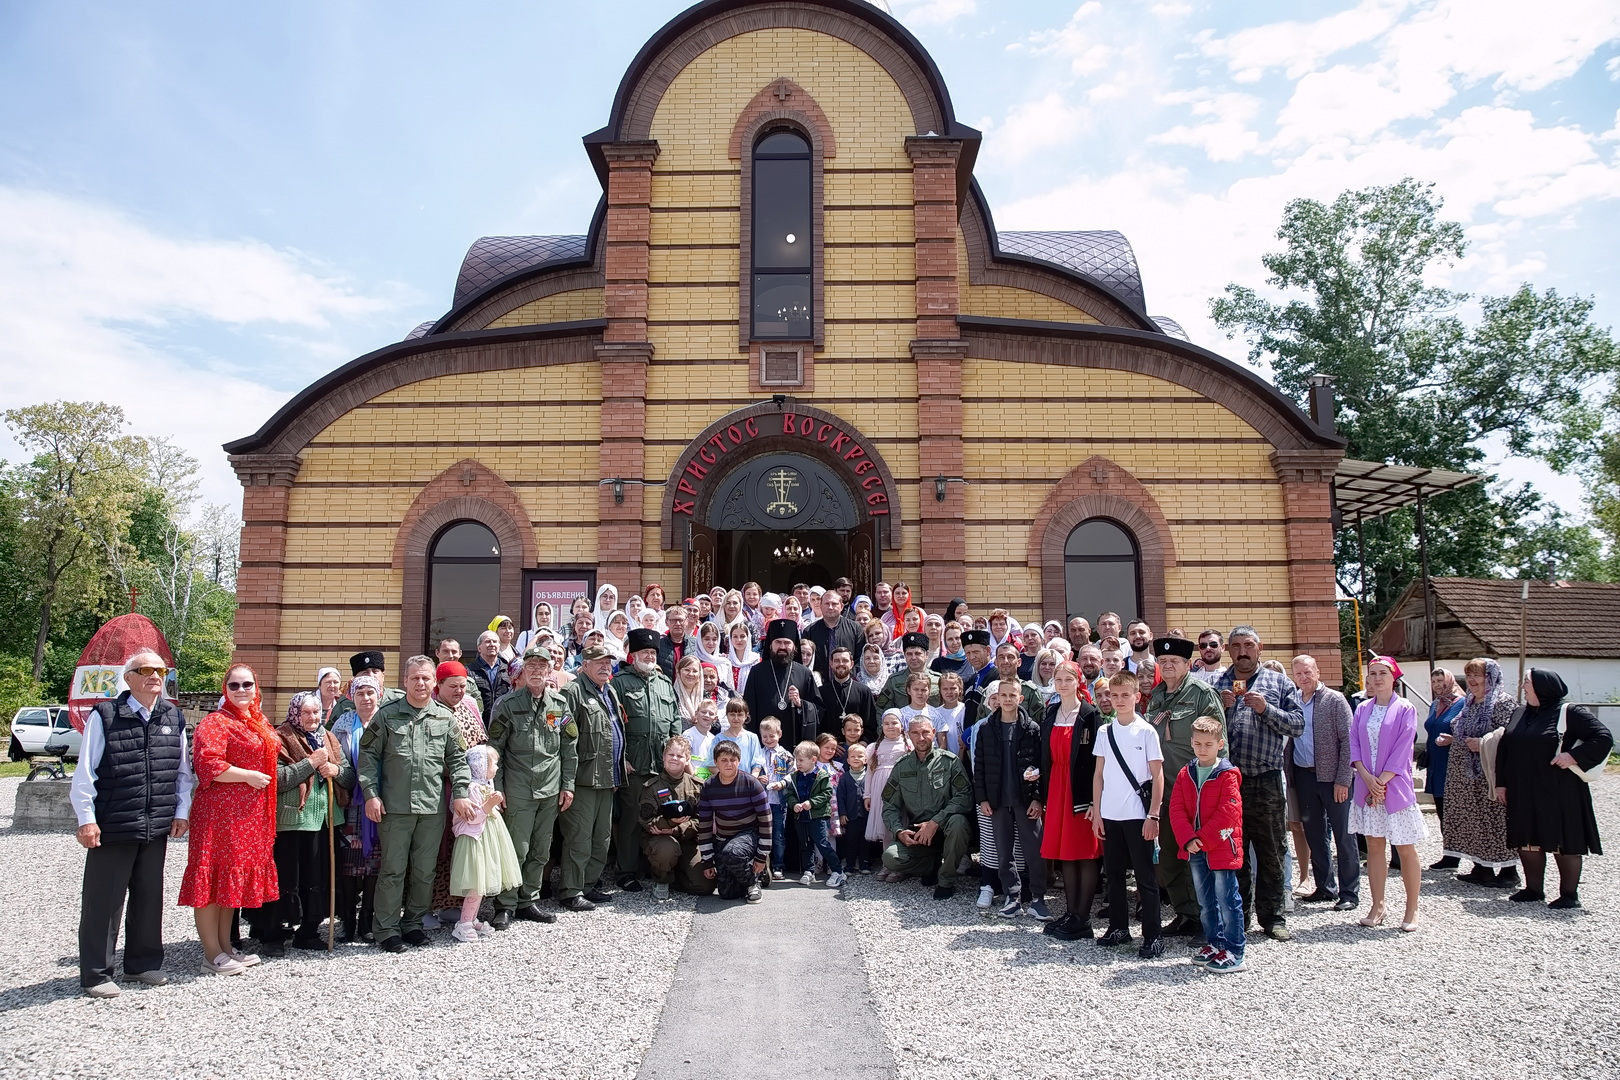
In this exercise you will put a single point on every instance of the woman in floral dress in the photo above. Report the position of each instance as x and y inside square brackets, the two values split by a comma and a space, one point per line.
[1476, 824]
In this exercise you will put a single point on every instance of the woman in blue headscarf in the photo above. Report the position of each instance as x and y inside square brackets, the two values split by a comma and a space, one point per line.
[1476, 824]
[1447, 704]
[359, 855]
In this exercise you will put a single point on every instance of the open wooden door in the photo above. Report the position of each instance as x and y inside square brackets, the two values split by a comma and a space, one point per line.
[866, 557]
[699, 559]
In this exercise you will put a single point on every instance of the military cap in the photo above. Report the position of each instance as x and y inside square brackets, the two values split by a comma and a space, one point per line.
[596, 652]
[1173, 646]
[363, 661]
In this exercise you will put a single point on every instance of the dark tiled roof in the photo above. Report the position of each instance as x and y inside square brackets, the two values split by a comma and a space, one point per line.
[494, 257]
[1103, 255]
[1573, 618]
[1171, 327]
[421, 330]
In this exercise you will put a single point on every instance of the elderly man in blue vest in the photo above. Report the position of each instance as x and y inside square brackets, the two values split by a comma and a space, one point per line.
[131, 792]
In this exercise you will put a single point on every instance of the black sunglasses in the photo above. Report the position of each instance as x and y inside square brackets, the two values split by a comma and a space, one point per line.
[238, 686]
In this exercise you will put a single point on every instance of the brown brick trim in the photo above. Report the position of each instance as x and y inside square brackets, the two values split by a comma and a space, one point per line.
[466, 491]
[805, 117]
[770, 105]
[646, 83]
[527, 292]
[359, 381]
[1099, 488]
[1256, 402]
[768, 443]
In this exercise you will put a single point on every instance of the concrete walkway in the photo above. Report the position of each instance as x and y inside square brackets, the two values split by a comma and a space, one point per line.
[774, 989]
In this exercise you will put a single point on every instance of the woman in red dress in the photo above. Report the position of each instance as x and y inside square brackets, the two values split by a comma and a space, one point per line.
[231, 862]
[1068, 736]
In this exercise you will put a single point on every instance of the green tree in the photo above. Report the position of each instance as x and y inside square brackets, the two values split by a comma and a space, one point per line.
[79, 487]
[1417, 383]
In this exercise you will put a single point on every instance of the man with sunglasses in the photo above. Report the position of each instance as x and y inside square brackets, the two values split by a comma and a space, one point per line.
[131, 792]
[1207, 665]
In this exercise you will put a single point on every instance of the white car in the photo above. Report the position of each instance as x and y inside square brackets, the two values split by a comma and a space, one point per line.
[36, 726]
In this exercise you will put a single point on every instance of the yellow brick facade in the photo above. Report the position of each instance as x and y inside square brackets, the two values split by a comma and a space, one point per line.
[1024, 427]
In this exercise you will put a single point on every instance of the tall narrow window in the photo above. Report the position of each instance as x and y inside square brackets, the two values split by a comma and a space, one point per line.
[464, 585]
[1102, 571]
[781, 237]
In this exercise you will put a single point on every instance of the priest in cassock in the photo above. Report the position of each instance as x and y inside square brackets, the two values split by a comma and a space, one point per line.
[842, 694]
[782, 687]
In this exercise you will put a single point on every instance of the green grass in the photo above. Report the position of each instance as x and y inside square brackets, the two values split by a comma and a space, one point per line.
[20, 768]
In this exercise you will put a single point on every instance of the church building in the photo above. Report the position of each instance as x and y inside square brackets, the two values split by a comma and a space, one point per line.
[791, 345]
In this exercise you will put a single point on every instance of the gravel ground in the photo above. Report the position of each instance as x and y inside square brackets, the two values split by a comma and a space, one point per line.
[1484, 989]
[579, 998]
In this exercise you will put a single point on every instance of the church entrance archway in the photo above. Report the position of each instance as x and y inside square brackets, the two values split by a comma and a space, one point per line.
[781, 519]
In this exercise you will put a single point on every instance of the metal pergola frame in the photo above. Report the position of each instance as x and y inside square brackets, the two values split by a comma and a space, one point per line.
[1372, 489]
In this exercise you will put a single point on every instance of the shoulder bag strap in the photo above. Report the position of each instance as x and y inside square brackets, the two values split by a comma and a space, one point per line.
[1126, 769]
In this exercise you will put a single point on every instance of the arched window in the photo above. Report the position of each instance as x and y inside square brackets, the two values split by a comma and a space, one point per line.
[1102, 571]
[782, 244]
[464, 585]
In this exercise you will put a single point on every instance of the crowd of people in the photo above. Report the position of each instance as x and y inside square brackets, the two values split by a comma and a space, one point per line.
[726, 742]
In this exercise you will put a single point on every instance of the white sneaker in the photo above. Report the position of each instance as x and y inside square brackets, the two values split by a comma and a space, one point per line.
[465, 931]
[661, 890]
[777, 875]
[809, 878]
[836, 881]
[221, 965]
[431, 922]
[246, 959]
[987, 896]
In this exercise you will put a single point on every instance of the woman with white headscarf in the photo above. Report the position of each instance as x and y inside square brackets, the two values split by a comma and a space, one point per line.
[740, 653]
[618, 631]
[711, 650]
[607, 602]
[329, 688]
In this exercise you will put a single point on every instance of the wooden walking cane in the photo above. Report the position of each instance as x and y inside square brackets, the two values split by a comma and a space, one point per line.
[331, 872]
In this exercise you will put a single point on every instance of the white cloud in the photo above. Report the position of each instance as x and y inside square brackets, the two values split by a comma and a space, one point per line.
[1076, 41]
[1226, 133]
[1298, 47]
[1036, 125]
[86, 294]
[932, 12]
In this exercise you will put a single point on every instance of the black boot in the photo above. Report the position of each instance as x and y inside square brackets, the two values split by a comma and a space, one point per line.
[1507, 877]
[1447, 862]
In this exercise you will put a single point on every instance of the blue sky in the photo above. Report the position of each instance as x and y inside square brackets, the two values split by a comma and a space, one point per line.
[205, 207]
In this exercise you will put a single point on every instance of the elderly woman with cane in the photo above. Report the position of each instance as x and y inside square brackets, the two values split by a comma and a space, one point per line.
[307, 756]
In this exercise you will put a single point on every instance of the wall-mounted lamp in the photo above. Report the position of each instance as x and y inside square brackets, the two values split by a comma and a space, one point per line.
[618, 483]
[779, 400]
[939, 485]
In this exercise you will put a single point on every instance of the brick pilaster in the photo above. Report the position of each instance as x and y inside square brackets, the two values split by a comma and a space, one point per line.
[1307, 478]
[938, 351]
[624, 355]
[266, 485]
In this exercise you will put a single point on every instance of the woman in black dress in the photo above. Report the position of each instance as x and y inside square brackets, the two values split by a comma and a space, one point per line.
[1549, 807]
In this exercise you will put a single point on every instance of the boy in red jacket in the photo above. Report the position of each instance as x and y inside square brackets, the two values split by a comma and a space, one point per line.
[1206, 807]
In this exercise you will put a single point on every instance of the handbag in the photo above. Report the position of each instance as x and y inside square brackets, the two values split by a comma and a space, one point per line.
[1589, 775]
[1144, 790]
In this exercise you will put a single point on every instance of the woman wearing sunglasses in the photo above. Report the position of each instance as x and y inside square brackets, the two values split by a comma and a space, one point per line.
[231, 861]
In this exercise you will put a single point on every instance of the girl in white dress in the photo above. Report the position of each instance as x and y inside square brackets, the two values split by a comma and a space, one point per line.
[1384, 806]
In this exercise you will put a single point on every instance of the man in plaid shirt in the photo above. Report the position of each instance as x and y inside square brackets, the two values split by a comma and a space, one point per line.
[1263, 711]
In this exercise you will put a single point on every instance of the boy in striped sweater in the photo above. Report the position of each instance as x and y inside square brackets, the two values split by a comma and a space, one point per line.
[734, 827]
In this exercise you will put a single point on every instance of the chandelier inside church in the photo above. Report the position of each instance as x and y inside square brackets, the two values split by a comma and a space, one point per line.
[793, 553]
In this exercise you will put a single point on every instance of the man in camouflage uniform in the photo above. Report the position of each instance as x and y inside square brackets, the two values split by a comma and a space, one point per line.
[587, 825]
[926, 804]
[407, 752]
[651, 719]
[536, 738]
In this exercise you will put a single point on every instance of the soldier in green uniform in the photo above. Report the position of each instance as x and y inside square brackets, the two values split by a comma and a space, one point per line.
[893, 695]
[370, 663]
[669, 821]
[407, 752]
[1006, 667]
[1175, 703]
[651, 719]
[926, 804]
[587, 825]
[536, 738]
